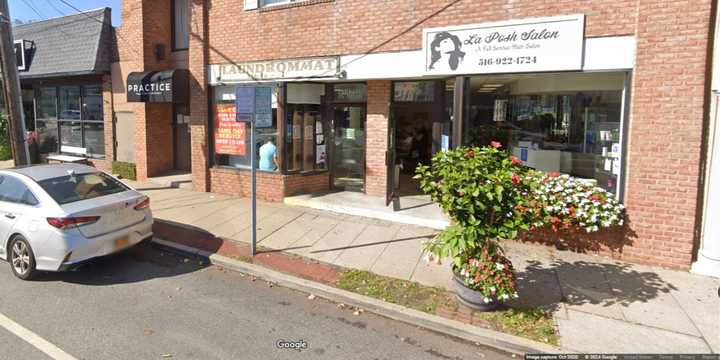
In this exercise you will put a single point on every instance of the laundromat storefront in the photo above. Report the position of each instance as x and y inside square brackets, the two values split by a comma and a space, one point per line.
[553, 98]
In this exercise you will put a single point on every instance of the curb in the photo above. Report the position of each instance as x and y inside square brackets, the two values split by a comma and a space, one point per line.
[495, 339]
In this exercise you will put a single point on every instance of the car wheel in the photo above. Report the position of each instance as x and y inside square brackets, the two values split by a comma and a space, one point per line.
[22, 259]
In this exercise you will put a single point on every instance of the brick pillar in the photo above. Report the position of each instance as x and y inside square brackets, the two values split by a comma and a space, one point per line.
[198, 95]
[108, 120]
[378, 111]
[668, 99]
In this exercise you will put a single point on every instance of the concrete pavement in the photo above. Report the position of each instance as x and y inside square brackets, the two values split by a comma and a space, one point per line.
[152, 304]
[599, 305]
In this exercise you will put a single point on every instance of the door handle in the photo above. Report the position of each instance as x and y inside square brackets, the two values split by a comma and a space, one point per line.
[10, 216]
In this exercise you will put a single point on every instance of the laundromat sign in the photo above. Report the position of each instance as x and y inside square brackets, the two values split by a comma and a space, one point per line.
[529, 45]
[326, 67]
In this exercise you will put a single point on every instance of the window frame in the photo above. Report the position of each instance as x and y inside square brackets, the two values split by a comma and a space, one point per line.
[58, 121]
[262, 4]
[173, 26]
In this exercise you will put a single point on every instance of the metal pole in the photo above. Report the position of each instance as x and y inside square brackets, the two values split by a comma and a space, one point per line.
[11, 87]
[253, 212]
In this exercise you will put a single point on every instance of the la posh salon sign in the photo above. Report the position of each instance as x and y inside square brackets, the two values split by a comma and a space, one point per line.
[528, 45]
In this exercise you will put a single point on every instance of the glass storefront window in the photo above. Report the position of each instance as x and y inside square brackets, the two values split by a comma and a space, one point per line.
[69, 102]
[70, 120]
[46, 99]
[567, 123]
[305, 141]
[349, 93]
[232, 141]
[92, 103]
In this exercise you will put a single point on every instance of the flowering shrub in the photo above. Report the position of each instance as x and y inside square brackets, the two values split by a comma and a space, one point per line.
[479, 189]
[490, 196]
[489, 272]
[566, 202]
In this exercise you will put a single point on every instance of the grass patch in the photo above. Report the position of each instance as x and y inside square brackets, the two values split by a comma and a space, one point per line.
[534, 324]
[402, 292]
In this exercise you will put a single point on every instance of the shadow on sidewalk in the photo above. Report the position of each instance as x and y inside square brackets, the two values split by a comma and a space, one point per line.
[582, 283]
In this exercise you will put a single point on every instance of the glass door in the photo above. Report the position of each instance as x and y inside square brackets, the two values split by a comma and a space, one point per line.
[348, 156]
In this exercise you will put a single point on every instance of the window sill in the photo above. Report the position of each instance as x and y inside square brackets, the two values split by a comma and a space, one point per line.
[289, 5]
[233, 169]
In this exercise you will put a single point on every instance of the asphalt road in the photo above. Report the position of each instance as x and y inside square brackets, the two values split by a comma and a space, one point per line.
[152, 304]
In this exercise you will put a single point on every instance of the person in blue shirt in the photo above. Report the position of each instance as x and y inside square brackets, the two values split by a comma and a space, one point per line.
[268, 156]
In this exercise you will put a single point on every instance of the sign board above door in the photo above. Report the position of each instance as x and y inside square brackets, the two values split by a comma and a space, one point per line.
[286, 69]
[158, 86]
[528, 45]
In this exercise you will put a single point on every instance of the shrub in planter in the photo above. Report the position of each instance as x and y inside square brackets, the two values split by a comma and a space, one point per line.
[490, 196]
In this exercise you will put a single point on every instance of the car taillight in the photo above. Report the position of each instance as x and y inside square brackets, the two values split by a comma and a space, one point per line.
[143, 204]
[64, 223]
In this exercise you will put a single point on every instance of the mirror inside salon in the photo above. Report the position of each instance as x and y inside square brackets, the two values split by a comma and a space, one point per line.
[568, 123]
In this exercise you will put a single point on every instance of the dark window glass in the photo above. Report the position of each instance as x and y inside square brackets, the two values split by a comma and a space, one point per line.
[46, 106]
[414, 91]
[94, 138]
[47, 132]
[305, 140]
[92, 103]
[71, 188]
[13, 190]
[71, 133]
[350, 92]
[69, 101]
[180, 24]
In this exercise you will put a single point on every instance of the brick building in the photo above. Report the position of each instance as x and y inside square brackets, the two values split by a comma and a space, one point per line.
[612, 91]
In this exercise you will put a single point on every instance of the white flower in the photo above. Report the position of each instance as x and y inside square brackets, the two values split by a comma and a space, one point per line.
[505, 296]
[492, 289]
[499, 266]
[487, 300]
[515, 295]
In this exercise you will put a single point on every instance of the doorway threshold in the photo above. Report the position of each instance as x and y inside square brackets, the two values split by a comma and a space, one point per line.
[413, 210]
[178, 179]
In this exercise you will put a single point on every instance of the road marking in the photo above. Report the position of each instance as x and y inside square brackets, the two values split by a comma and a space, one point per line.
[34, 339]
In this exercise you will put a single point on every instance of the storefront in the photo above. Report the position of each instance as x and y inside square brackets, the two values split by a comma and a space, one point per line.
[364, 92]
[65, 85]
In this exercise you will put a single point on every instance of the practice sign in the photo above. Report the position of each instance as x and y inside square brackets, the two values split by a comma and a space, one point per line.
[529, 45]
[229, 134]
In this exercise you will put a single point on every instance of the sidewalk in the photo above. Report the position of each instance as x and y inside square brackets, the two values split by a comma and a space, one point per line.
[599, 305]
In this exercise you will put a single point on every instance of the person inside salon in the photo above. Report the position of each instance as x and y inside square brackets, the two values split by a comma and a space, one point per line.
[268, 156]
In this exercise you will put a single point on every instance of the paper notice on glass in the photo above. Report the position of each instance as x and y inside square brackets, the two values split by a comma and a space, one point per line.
[615, 150]
[320, 154]
[608, 164]
[616, 167]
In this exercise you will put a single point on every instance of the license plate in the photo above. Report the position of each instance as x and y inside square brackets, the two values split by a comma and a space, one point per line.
[122, 242]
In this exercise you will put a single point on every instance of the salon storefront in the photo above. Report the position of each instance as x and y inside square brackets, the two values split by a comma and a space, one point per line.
[553, 98]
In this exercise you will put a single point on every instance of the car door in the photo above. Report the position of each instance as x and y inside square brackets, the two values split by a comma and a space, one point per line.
[15, 202]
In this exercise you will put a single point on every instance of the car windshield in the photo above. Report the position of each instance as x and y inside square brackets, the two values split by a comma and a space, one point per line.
[76, 187]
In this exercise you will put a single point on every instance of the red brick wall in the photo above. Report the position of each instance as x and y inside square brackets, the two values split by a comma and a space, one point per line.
[667, 90]
[306, 184]
[378, 110]
[197, 50]
[667, 110]
[237, 182]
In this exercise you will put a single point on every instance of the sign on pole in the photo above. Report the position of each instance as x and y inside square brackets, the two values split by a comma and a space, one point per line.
[253, 105]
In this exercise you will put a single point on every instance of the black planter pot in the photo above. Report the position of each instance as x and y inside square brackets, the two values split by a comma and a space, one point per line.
[472, 298]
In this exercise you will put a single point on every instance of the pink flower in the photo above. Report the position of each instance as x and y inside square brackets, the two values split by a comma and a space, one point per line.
[515, 179]
[515, 161]
[496, 144]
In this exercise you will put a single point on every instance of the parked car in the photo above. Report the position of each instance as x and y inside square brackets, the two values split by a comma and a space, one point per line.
[55, 217]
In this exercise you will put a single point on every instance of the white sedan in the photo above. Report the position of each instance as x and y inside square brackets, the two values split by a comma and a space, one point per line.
[55, 217]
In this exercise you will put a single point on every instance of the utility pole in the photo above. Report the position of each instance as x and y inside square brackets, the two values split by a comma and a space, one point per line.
[11, 89]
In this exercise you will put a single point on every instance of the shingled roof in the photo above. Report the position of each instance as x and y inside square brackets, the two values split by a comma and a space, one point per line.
[77, 44]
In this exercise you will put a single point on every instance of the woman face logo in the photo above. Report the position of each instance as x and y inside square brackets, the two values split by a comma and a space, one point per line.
[446, 46]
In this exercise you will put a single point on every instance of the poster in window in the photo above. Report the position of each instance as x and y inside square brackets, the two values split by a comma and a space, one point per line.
[320, 154]
[229, 134]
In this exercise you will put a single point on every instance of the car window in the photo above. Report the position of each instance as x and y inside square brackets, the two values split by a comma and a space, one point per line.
[13, 190]
[76, 187]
